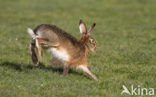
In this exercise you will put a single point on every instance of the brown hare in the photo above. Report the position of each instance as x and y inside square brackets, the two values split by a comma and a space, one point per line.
[63, 46]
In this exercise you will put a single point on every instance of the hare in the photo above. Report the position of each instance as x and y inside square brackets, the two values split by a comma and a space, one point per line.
[65, 48]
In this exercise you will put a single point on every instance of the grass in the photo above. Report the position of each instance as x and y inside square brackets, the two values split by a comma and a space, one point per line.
[126, 54]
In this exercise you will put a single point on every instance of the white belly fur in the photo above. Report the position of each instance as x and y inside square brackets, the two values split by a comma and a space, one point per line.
[61, 55]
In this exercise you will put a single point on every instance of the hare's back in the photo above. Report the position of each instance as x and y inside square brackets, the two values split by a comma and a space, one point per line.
[47, 32]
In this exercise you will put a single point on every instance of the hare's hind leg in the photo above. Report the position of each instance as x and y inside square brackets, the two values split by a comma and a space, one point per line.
[39, 49]
[40, 41]
[33, 53]
[46, 42]
[85, 69]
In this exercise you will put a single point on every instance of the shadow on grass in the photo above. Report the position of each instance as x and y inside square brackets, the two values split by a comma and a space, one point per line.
[22, 67]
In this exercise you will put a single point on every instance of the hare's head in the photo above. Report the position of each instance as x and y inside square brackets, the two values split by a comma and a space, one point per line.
[85, 37]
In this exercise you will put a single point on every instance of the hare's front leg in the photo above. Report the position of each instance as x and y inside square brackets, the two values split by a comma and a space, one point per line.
[66, 68]
[86, 70]
[56, 62]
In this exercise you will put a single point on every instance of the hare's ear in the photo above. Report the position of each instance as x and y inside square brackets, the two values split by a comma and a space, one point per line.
[91, 28]
[82, 27]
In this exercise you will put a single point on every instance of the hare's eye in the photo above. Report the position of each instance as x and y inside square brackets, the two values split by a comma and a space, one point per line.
[91, 40]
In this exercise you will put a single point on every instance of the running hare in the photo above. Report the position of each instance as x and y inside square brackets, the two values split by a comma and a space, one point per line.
[63, 46]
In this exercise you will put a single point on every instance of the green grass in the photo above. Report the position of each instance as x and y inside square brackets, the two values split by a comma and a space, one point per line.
[126, 53]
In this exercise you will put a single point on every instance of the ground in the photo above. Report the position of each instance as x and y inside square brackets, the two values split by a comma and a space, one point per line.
[126, 53]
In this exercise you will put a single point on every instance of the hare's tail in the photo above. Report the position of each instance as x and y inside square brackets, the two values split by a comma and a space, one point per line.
[31, 33]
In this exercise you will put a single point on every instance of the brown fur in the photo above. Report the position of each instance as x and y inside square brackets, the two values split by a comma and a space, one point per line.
[77, 50]
[33, 54]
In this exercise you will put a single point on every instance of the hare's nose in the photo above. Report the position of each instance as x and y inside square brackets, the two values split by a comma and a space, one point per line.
[95, 48]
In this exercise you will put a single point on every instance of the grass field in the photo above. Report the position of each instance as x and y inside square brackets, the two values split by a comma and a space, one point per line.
[126, 54]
